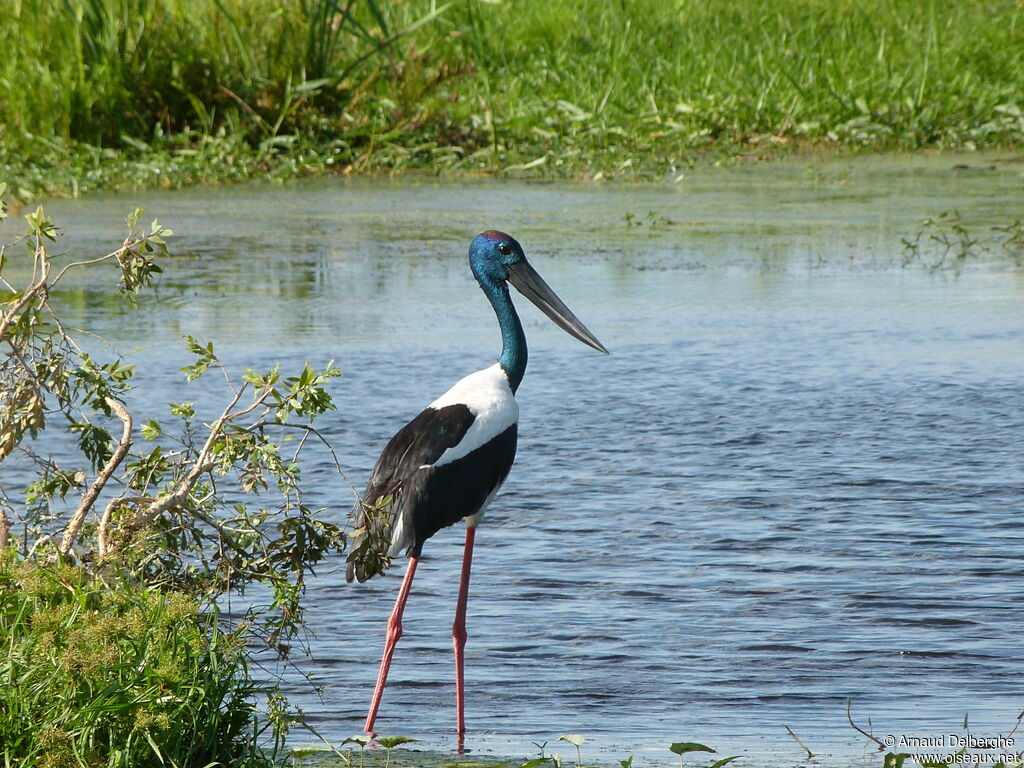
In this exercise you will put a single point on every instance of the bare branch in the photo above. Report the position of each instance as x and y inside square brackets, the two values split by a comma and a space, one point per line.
[71, 532]
[1016, 725]
[3, 280]
[45, 539]
[310, 429]
[128, 244]
[245, 107]
[227, 379]
[249, 409]
[103, 532]
[103, 535]
[202, 462]
[858, 729]
[225, 535]
[810, 754]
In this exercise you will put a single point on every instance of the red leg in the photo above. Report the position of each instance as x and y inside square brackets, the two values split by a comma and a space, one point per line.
[459, 633]
[394, 632]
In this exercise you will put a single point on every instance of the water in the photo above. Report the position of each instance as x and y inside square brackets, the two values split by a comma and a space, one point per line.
[796, 480]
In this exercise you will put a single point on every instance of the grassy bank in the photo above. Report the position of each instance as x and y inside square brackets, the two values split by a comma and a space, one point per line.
[138, 92]
[113, 673]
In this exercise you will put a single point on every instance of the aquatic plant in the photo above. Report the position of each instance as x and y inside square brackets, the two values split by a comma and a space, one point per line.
[945, 241]
[686, 747]
[362, 740]
[577, 741]
[1013, 243]
[893, 759]
[537, 761]
[949, 233]
[390, 742]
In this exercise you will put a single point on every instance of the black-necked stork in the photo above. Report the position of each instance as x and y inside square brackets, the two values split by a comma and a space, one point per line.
[448, 463]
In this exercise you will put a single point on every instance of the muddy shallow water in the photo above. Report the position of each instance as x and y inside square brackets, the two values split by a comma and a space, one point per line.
[797, 479]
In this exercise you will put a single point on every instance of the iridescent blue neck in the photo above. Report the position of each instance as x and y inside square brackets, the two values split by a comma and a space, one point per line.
[513, 340]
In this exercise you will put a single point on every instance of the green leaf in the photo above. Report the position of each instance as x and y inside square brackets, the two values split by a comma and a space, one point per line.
[311, 86]
[894, 759]
[724, 761]
[307, 751]
[390, 742]
[360, 739]
[682, 747]
[573, 738]
[183, 409]
[41, 225]
[205, 357]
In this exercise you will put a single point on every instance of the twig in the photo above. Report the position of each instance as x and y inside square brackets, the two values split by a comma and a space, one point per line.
[227, 379]
[248, 409]
[5, 528]
[202, 462]
[334, 457]
[28, 296]
[101, 534]
[71, 532]
[225, 535]
[102, 537]
[128, 244]
[3, 280]
[1016, 726]
[245, 107]
[797, 740]
[879, 742]
[44, 539]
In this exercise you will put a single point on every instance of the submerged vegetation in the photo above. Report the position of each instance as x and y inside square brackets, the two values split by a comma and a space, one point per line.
[945, 242]
[104, 93]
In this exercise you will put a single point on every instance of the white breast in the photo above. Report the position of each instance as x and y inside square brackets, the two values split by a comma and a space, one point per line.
[489, 398]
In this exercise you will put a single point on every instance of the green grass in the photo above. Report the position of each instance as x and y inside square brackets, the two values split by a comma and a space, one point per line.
[139, 92]
[117, 675]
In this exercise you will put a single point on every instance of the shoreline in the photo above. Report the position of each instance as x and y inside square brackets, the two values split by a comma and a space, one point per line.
[30, 183]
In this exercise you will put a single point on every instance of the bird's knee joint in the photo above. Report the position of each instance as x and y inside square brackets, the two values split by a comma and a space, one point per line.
[459, 634]
[394, 630]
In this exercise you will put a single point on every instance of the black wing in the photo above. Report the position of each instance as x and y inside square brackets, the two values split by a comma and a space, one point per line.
[441, 496]
[420, 442]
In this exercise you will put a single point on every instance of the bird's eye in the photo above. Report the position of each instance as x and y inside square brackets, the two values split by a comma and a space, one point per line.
[504, 249]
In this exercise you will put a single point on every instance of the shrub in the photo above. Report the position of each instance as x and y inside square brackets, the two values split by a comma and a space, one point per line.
[103, 671]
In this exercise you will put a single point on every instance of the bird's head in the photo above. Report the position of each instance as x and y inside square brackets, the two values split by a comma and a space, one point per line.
[497, 258]
[492, 253]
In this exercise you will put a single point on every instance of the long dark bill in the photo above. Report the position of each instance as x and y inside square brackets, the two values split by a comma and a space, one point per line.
[526, 280]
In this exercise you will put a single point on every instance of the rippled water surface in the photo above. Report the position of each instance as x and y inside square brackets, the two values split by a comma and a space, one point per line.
[796, 480]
